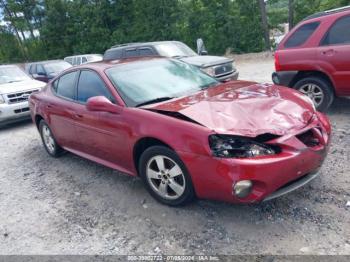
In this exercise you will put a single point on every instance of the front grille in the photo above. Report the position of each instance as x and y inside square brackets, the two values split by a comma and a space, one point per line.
[21, 110]
[223, 69]
[19, 97]
[310, 138]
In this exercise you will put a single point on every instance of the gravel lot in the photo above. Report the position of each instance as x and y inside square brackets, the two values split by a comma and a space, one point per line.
[73, 206]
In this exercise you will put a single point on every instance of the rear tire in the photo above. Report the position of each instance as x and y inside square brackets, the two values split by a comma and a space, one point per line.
[165, 176]
[319, 90]
[49, 141]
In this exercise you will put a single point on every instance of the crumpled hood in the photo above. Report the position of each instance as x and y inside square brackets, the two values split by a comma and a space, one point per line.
[244, 108]
[206, 60]
[25, 85]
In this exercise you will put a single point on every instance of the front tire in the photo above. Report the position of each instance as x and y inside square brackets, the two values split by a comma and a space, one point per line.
[318, 90]
[50, 144]
[165, 176]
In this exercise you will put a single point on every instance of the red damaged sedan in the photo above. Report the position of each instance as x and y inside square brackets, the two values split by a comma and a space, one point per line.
[183, 132]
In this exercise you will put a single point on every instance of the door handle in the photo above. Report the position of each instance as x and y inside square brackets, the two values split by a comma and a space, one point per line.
[329, 52]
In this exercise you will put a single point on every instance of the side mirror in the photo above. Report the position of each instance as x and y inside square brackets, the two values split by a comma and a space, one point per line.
[101, 103]
[200, 47]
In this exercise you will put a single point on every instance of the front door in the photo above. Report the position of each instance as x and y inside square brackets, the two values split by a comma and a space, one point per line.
[335, 51]
[101, 134]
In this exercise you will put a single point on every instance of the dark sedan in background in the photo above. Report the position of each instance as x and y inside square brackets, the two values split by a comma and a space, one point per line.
[46, 70]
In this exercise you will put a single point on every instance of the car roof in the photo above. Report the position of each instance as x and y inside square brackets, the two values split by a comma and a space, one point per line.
[339, 11]
[9, 65]
[46, 62]
[82, 55]
[143, 43]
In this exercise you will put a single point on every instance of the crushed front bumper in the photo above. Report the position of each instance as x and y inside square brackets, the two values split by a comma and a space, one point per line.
[272, 176]
[293, 185]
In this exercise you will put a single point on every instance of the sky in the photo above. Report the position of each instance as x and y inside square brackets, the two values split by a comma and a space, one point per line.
[1, 17]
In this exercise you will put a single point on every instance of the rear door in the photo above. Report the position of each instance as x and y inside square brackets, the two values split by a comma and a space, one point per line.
[60, 109]
[335, 51]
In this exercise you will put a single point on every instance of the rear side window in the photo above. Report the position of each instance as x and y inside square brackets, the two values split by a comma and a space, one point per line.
[69, 60]
[130, 53]
[90, 85]
[66, 85]
[339, 32]
[301, 35]
[146, 51]
[112, 54]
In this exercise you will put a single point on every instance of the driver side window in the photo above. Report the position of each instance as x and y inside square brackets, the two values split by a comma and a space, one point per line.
[90, 85]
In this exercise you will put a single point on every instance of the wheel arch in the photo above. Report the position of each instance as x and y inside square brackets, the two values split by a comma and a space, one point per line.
[303, 74]
[142, 144]
[37, 119]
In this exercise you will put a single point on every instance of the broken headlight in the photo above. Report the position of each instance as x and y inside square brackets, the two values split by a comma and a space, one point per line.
[239, 147]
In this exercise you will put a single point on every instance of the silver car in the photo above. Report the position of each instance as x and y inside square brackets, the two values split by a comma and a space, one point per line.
[83, 59]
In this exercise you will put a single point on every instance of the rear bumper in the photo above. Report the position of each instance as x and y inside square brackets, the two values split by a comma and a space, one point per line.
[272, 176]
[233, 76]
[14, 112]
[284, 78]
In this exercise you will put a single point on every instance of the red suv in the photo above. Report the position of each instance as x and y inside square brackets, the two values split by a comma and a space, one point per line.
[314, 57]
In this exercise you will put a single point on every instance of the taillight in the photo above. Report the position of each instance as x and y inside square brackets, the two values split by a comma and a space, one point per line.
[277, 62]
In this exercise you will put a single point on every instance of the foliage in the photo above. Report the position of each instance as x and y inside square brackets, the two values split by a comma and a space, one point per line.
[49, 29]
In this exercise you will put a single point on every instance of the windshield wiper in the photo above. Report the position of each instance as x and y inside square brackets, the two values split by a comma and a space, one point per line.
[155, 100]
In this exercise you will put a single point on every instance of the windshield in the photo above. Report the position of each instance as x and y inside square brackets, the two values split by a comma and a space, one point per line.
[10, 74]
[174, 49]
[142, 81]
[55, 68]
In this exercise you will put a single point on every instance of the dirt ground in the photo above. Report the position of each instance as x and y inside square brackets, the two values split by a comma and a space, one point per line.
[73, 206]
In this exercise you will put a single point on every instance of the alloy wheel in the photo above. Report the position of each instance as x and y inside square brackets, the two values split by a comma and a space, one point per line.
[165, 177]
[314, 92]
[48, 139]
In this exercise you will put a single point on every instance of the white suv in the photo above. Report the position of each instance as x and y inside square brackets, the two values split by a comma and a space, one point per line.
[83, 59]
[15, 88]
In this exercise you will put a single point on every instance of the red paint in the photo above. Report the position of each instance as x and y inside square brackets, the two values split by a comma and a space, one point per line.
[237, 107]
[245, 108]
